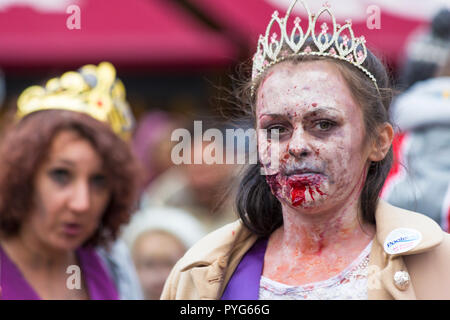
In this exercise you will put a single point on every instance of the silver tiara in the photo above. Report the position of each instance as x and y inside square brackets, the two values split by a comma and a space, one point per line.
[272, 50]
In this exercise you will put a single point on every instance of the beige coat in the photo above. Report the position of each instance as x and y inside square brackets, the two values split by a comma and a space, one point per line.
[208, 266]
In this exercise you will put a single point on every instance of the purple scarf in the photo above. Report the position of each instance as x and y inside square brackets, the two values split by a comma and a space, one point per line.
[244, 283]
[99, 285]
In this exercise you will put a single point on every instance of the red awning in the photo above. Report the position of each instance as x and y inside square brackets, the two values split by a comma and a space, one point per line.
[248, 19]
[136, 32]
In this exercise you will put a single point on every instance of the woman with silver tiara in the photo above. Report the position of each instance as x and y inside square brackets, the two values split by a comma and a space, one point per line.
[68, 182]
[311, 223]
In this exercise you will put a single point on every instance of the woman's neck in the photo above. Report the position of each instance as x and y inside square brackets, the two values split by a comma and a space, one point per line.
[25, 249]
[309, 234]
[312, 247]
[44, 269]
[329, 229]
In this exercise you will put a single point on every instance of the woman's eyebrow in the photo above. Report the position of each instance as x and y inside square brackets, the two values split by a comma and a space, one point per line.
[322, 111]
[63, 162]
[272, 115]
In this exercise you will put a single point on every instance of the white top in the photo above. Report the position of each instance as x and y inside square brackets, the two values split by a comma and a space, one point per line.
[350, 284]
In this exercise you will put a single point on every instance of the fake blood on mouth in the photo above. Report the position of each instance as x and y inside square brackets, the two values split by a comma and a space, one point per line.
[298, 187]
[298, 195]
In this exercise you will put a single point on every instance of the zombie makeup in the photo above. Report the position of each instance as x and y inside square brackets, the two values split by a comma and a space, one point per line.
[299, 187]
[320, 146]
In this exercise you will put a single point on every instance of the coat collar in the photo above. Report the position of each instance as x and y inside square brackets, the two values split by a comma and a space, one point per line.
[206, 251]
[382, 265]
[211, 262]
[211, 265]
[388, 218]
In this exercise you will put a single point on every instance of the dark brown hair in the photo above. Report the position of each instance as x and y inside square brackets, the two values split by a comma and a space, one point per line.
[258, 208]
[25, 147]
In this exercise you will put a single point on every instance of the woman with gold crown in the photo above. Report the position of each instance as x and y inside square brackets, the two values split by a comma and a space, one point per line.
[311, 223]
[68, 182]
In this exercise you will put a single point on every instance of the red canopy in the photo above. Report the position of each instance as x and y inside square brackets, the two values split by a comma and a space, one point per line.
[248, 19]
[137, 32]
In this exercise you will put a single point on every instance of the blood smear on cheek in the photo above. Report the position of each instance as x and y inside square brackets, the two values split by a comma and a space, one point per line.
[273, 183]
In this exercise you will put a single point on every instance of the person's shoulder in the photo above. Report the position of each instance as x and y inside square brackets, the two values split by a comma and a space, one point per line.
[429, 271]
[422, 245]
[443, 249]
[215, 245]
[203, 256]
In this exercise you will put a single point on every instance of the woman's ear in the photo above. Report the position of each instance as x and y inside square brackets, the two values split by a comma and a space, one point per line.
[382, 143]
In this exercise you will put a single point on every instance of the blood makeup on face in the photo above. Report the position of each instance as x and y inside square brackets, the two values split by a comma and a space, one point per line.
[296, 187]
[300, 184]
[321, 149]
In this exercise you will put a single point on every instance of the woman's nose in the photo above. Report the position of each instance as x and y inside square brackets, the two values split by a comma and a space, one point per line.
[80, 199]
[303, 153]
[298, 145]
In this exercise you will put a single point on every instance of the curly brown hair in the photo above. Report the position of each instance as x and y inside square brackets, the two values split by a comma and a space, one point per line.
[26, 145]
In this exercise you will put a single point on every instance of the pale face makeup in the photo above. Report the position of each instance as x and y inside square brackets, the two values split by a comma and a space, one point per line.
[323, 161]
[321, 150]
[71, 195]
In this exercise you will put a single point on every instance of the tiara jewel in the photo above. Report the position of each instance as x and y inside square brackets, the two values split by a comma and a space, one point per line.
[274, 48]
[93, 90]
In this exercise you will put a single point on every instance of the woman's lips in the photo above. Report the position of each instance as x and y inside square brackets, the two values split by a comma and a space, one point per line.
[72, 229]
[306, 173]
[306, 177]
[292, 171]
[295, 184]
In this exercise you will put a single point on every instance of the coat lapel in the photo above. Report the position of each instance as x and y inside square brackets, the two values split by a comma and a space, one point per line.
[213, 274]
[396, 264]
[217, 264]
[383, 266]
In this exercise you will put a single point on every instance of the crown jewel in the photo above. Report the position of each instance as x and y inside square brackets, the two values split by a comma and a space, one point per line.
[93, 90]
[274, 48]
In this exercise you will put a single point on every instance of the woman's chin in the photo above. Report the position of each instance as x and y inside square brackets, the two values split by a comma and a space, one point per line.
[68, 244]
[307, 206]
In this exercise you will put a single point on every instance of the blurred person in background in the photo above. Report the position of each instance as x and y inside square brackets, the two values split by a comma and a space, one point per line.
[152, 144]
[426, 51]
[158, 237]
[420, 177]
[68, 182]
[200, 189]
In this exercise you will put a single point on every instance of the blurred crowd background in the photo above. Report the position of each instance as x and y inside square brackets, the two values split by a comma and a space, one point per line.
[177, 58]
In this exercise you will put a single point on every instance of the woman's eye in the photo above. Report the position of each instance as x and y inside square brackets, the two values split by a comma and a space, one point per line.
[61, 176]
[273, 130]
[324, 125]
[99, 181]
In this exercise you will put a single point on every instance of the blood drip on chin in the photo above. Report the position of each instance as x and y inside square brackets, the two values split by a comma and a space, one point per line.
[298, 195]
[298, 187]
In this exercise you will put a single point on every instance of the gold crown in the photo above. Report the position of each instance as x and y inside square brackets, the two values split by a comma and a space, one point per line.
[93, 90]
[271, 50]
